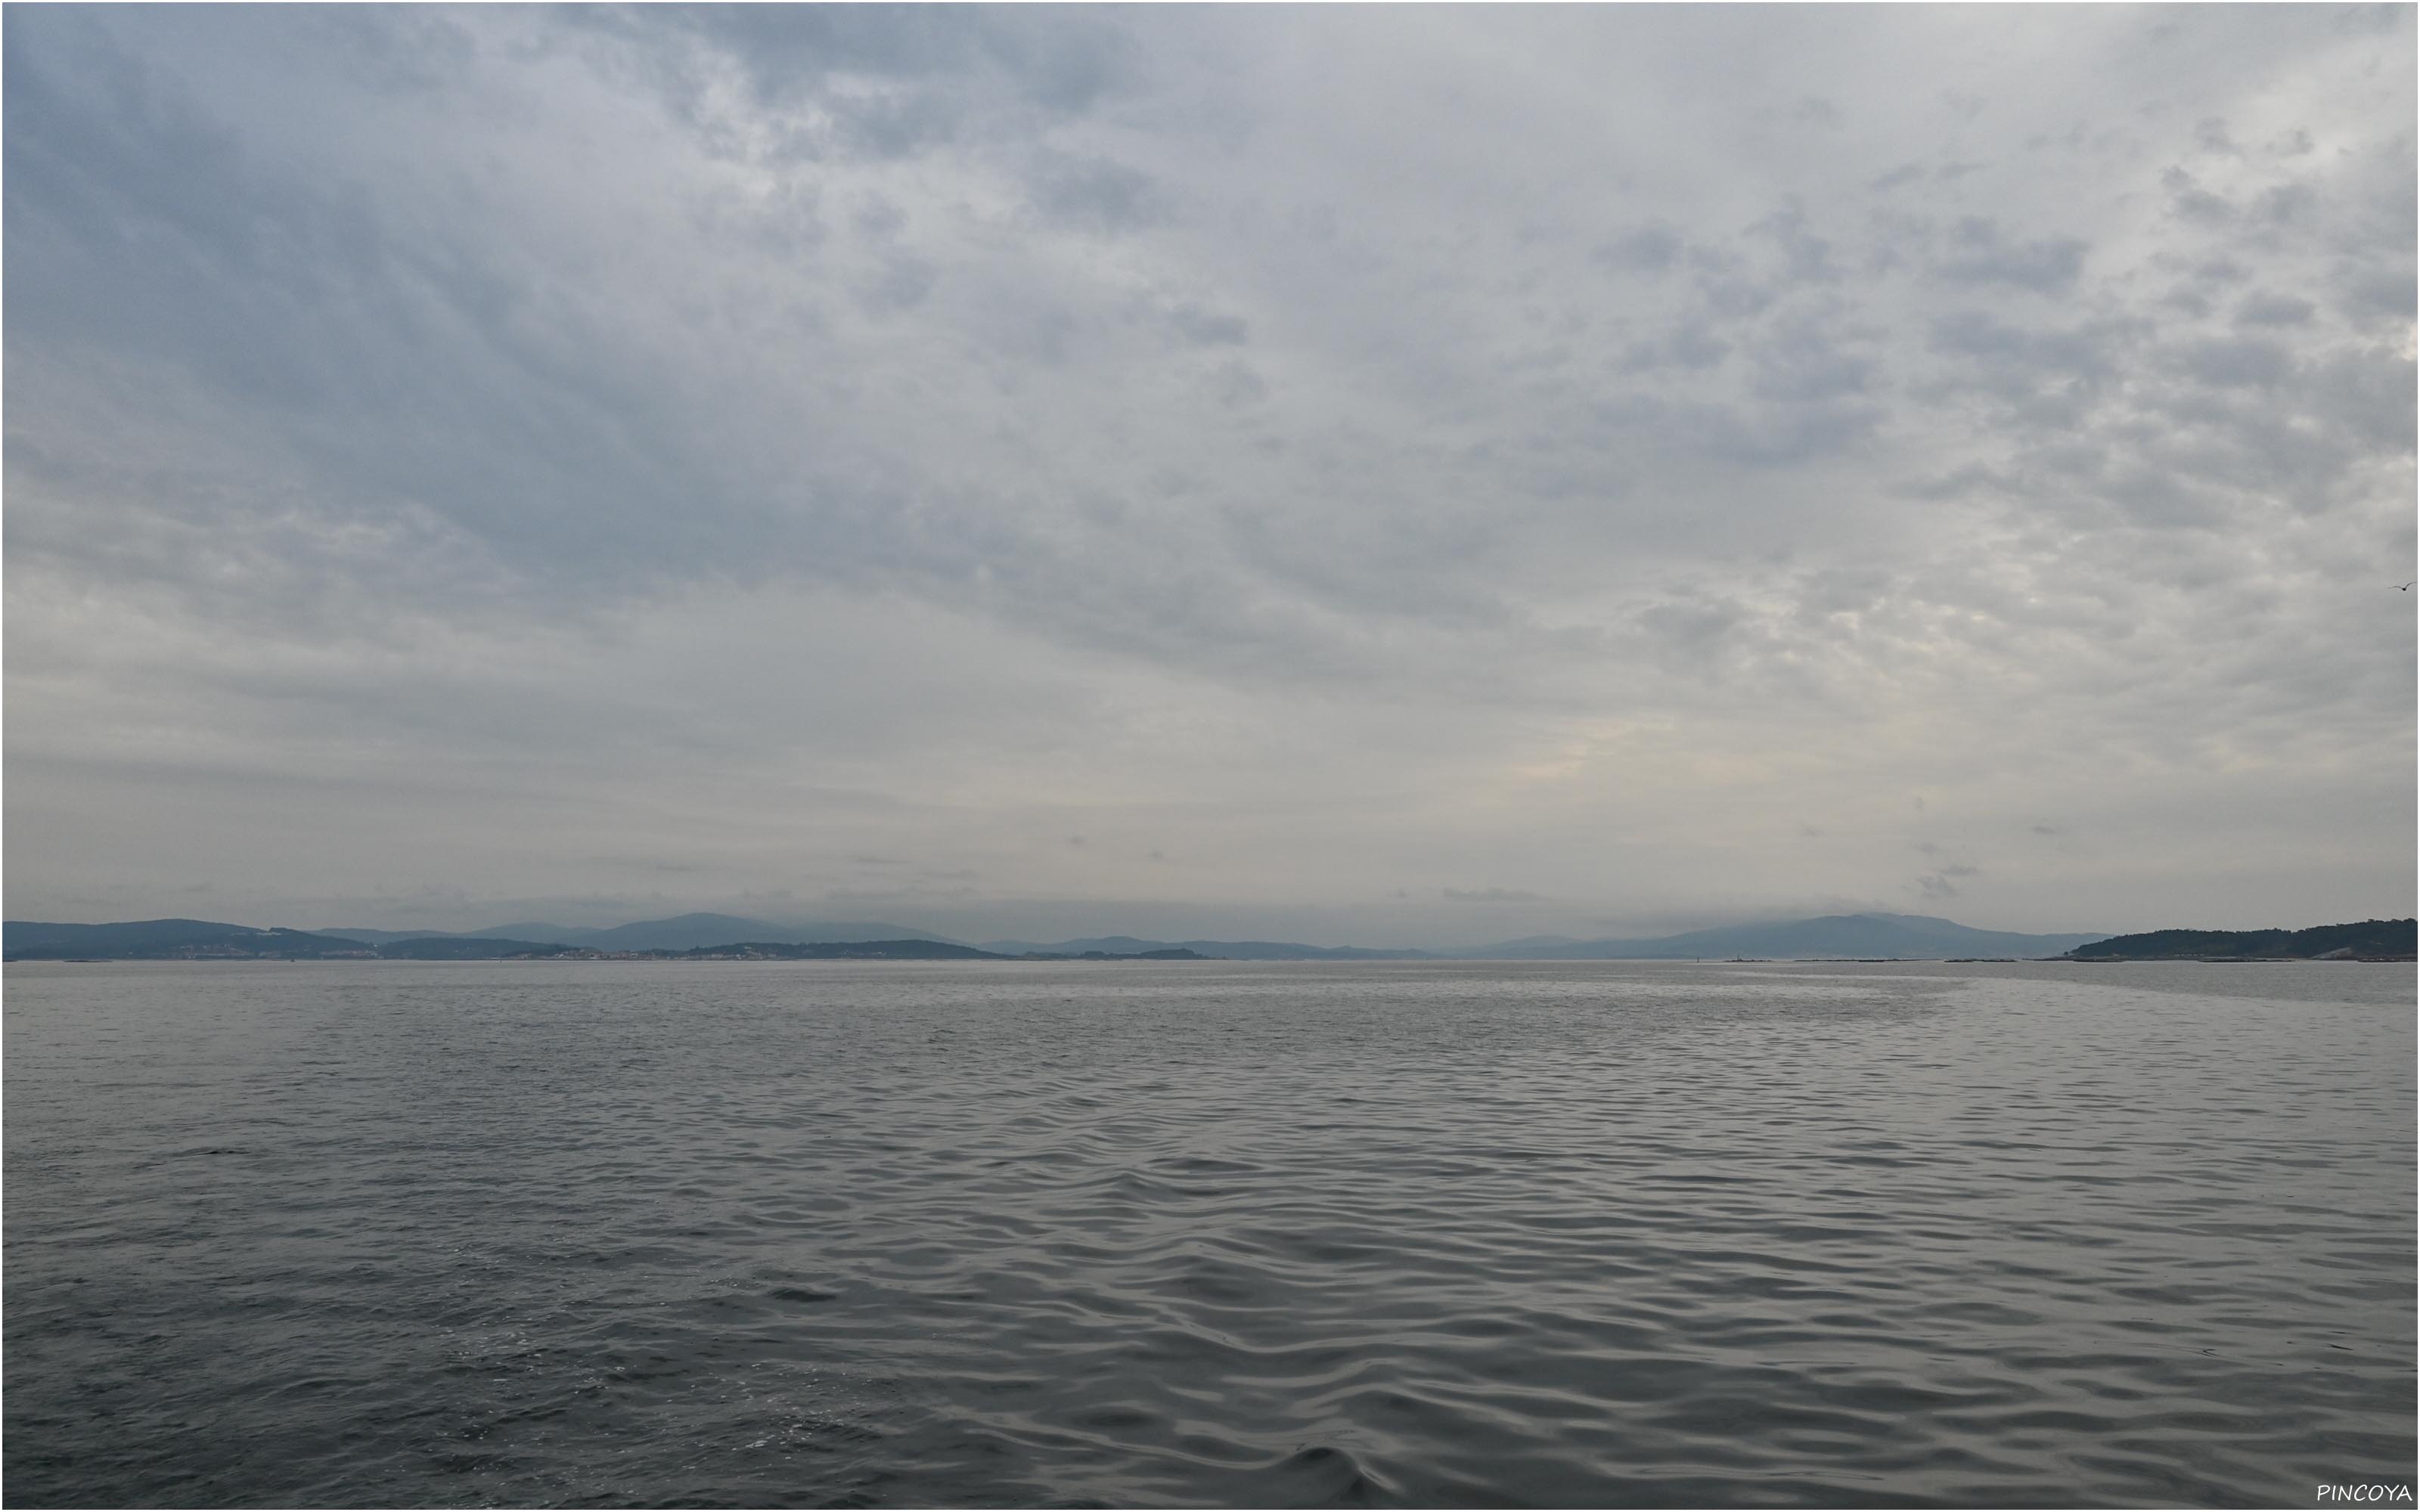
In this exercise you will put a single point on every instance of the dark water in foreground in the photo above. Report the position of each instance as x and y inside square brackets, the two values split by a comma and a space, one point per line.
[809, 1234]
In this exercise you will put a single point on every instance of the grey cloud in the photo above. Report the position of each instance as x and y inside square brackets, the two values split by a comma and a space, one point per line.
[1805, 256]
[395, 49]
[1762, 436]
[1645, 249]
[1203, 328]
[2235, 363]
[938, 69]
[1730, 296]
[2371, 394]
[1042, 332]
[1727, 286]
[2271, 309]
[1942, 882]
[885, 126]
[2366, 290]
[1806, 363]
[1094, 194]
[2188, 300]
[1963, 483]
[2190, 201]
[1963, 103]
[641, 863]
[1491, 895]
[1933, 885]
[1237, 386]
[2287, 205]
[1984, 256]
[922, 894]
[902, 283]
[2021, 363]
[1692, 346]
[2373, 19]
[164, 237]
[1702, 635]
[879, 219]
[2210, 135]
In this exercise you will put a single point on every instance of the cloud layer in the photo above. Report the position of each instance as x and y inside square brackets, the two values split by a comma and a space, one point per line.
[1410, 470]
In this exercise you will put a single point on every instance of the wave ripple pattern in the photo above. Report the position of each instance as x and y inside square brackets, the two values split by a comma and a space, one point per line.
[1482, 1235]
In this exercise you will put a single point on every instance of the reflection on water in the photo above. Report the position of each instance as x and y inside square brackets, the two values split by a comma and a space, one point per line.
[803, 1234]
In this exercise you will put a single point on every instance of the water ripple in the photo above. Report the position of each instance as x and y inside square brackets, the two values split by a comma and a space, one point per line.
[826, 1234]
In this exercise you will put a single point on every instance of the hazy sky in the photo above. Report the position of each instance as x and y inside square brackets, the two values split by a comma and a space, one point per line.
[1389, 475]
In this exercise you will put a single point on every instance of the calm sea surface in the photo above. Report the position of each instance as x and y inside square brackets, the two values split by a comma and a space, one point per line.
[818, 1233]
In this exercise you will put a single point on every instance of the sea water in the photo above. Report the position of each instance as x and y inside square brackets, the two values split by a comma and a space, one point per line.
[1207, 1233]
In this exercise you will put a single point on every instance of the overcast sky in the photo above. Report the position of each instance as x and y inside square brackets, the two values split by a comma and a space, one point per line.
[1365, 474]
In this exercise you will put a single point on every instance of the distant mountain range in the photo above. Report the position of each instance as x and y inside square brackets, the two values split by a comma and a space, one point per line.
[1850, 936]
[194, 939]
[1219, 949]
[1853, 937]
[686, 933]
[1898, 936]
[165, 939]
